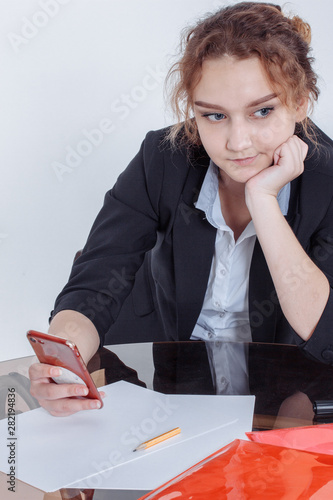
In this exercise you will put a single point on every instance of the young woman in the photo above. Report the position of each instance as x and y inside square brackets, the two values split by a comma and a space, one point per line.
[229, 211]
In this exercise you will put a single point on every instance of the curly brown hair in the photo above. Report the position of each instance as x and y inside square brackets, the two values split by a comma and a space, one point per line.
[244, 30]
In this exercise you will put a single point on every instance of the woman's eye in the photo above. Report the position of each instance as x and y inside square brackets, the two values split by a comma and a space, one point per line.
[263, 112]
[214, 117]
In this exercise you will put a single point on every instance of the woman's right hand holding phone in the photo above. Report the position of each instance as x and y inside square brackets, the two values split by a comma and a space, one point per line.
[65, 399]
[60, 400]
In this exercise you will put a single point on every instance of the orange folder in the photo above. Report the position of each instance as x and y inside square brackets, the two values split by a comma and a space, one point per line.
[317, 438]
[248, 470]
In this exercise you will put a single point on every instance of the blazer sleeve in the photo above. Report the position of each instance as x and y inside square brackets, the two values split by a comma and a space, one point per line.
[124, 230]
[320, 344]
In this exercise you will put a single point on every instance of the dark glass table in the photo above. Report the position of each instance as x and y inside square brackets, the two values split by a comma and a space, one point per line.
[284, 381]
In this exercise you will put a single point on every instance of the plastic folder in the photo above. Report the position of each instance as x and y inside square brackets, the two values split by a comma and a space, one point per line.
[317, 438]
[249, 470]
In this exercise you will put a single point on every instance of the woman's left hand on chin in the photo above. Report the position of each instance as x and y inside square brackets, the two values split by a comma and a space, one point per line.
[288, 164]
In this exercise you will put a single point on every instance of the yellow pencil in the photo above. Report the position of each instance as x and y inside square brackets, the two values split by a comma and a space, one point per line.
[158, 439]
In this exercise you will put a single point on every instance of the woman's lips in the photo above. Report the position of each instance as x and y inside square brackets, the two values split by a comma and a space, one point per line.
[244, 161]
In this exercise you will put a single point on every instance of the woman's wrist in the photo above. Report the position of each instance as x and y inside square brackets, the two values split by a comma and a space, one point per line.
[74, 326]
[260, 202]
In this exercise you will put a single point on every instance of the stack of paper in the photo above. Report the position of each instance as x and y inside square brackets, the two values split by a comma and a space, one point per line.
[94, 449]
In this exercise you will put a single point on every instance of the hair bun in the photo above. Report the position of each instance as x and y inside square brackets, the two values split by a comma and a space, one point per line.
[302, 28]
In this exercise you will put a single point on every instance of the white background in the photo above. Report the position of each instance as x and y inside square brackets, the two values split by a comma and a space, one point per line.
[66, 68]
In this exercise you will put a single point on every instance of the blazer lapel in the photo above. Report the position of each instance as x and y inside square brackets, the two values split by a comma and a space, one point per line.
[194, 241]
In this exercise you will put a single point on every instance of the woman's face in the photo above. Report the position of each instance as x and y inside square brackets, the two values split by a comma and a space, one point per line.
[241, 121]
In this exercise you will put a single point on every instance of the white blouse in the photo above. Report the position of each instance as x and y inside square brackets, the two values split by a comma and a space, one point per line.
[225, 314]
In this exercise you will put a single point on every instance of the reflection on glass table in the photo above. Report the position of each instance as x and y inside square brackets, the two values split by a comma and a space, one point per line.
[284, 381]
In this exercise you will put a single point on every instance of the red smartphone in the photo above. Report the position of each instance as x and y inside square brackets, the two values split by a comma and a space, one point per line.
[57, 351]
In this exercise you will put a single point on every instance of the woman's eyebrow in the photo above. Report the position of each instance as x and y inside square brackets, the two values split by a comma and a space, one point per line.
[250, 105]
[261, 100]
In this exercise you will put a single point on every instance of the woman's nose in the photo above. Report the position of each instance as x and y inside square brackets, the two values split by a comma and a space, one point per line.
[239, 136]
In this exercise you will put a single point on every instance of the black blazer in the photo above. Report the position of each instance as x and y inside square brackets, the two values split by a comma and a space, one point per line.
[149, 218]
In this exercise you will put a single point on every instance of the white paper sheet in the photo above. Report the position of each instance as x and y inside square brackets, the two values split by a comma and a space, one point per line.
[94, 449]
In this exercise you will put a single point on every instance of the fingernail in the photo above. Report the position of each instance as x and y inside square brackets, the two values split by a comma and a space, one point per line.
[95, 404]
[56, 372]
[82, 391]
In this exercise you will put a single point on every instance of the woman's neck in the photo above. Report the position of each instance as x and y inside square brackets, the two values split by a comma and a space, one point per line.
[233, 206]
[229, 186]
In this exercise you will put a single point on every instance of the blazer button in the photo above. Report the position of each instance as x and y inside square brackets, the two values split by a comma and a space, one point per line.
[327, 354]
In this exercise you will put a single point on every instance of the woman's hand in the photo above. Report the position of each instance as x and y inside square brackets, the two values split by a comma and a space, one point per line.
[302, 288]
[63, 399]
[60, 400]
[288, 164]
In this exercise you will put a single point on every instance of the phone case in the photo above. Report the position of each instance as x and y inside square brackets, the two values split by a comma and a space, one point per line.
[57, 351]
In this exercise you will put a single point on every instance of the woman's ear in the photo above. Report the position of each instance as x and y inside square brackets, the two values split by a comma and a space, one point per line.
[302, 109]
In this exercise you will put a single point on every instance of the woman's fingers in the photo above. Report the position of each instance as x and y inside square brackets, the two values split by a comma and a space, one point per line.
[68, 406]
[58, 399]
